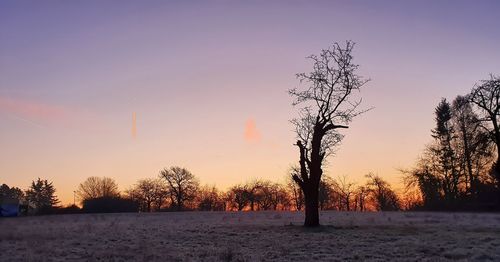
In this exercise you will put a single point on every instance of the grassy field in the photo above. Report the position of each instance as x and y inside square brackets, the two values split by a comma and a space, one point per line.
[251, 236]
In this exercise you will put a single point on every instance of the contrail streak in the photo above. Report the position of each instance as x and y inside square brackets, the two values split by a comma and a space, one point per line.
[24, 120]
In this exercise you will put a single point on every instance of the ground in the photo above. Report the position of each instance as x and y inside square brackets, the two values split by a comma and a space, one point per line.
[251, 236]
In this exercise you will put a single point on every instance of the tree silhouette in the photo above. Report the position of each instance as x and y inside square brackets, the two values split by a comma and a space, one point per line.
[294, 190]
[149, 193]
[238, 197]
[209, 199]
[361, 195]
[97, 187]
[345, 190]
[328, 105]
[327, 193]
[384, 197]
[182, 185]
[486, 97]
[444, 134]
[41, 194]
[7, 192]
[473, 146]
[453, 172]
[268, 195]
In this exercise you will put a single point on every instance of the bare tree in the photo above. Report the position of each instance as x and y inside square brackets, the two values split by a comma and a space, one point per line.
[361, 194]
[295, 192]
[270, 196]
[209, 199]
[474, 148]
[411, 199]
[182, 185]
[326, 193]
[149, 193]
[253, 194]
[96, 187]
[384, 197]
[279, 197]
[237, 197]
[345, 190]
[328, 105]
[486, 97]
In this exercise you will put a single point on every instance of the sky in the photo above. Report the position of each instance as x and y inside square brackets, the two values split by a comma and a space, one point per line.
[124, 89]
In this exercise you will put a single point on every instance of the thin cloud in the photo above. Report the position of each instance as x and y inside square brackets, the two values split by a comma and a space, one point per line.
[252, 134]
[31, 110]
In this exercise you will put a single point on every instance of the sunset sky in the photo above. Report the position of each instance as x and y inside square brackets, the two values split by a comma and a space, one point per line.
[125, 88]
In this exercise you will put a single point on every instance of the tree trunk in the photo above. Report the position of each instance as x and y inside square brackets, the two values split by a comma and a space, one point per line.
[179, 203]
[496, 170]
[311, 207]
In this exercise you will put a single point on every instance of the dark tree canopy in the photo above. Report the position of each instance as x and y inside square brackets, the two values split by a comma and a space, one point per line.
[182, 185]
[149, 193]
[486, 98]
[97, 187]
[7, 192]
[329, 103]
[444, 134]
[41, 194]
[238, 197]
[384, 197]
[453, 172]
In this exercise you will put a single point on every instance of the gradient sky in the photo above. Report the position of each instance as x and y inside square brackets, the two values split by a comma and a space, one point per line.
[207, 83]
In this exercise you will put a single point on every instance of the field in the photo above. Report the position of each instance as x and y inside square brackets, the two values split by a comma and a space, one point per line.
[251, 236]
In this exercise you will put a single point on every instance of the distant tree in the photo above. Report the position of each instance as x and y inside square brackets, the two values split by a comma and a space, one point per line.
[210, 199]
[428, 182]
[253, 192]
[261, 194]
[279, 197]
[97, 187]
[328, 106]
[327, 193]
[345, 189]
[361, 194]
[149, 193]
[411, 199]
[70, 209]
[269, 195]
[113, 204]
[384, 197]
[10, 192]
[238, 197]
[182, 186]
[295, 192]
[41, 194]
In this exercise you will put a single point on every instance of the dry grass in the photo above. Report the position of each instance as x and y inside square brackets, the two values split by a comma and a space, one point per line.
[251, 236]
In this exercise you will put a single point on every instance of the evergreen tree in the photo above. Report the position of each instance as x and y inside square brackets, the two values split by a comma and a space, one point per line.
[42, 195]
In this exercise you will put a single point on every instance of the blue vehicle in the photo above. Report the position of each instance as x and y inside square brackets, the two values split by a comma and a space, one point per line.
[9, 207]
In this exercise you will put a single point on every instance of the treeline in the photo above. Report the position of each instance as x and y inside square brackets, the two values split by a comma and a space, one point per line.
[459, 170]
[39, 198]
[177, 189]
